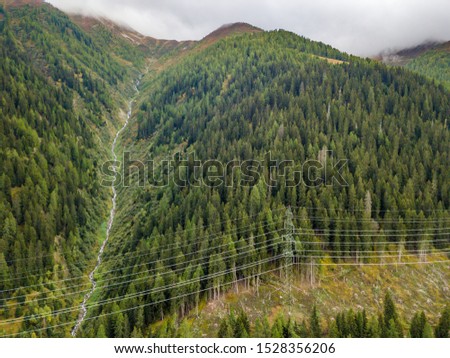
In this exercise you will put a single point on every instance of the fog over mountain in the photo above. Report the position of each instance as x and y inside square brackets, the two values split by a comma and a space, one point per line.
[362, 27]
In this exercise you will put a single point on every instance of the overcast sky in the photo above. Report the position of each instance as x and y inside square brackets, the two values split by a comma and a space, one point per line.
[361, 27]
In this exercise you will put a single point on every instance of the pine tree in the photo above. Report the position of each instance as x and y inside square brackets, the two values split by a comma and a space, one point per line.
[225, 330]
[333, 331]
[101, 331]
[277, 328]
[391, 324]
[136, 333]
[184, 330]
[314, 324]
[4, 272]
[417, 327]
[428, 331]
[119, 327]
[443, 328]
[240, 325]
[158, 295]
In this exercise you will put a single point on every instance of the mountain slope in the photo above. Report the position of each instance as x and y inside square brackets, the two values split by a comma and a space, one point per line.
[129, 40]
[60, 102]
[190, 242]
[237, 100]
[430, 59]
[434, 64]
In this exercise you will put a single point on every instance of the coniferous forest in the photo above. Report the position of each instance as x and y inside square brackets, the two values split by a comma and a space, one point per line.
[54, 103]
[176, 252]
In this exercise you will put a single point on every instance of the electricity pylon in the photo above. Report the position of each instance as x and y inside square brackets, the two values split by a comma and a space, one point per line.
[288, 254]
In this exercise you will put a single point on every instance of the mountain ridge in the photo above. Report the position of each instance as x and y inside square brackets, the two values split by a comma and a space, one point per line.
[159, 47]
[230, 30]
[431, 59]
[402, 56]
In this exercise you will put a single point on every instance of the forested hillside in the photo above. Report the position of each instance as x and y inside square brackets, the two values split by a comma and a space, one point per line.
[58, 102]
[430, 59]
[183, 250]
[238, 100]
[434, 64]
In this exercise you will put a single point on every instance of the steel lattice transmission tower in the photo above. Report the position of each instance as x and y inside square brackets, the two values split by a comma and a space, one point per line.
[288, 254]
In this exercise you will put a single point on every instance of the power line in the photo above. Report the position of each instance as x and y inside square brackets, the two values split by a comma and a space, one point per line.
[172, 235]
[146, 271]
[243, 267]
[274, 211]
[325, 252]
[394, 252]
[341, 244]
[186, 263]
[353, 220]
[379, 211]
[430, 231]
[146, 292]
[128, 309]
[166, 249]
[374, 243]
[367, 235]
[204, 290]
[275, 258]
[341, 257]
[315, 264]
[156, 261]
[376, 264]
[139, 273]
[387, 232]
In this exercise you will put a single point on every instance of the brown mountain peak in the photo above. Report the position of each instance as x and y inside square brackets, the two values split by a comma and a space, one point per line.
[231, 29]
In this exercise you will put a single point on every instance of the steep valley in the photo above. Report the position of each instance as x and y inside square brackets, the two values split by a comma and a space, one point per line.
[215, 252]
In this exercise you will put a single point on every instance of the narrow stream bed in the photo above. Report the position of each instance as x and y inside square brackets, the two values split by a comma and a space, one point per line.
[83, 307]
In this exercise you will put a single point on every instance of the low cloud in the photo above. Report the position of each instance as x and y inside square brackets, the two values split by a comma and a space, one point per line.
[361, 27]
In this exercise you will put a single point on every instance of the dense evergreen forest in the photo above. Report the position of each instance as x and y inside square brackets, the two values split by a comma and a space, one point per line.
[175, 247]
[277, 92]
[56, 98]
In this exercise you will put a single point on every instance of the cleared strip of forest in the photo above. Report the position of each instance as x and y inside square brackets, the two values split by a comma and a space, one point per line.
[331, 60]
[337, 288]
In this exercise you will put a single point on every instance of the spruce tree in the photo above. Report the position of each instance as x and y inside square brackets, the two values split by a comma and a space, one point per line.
[314, 324]
[417, 326]
[391, 324]
[443, 327]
